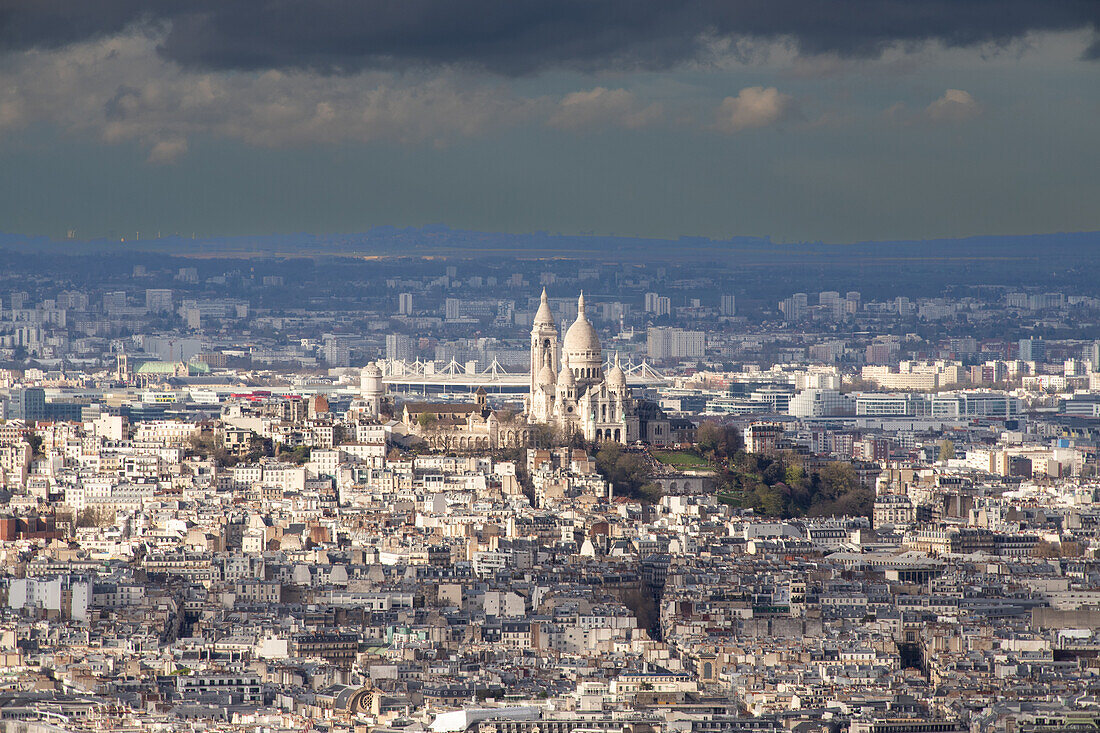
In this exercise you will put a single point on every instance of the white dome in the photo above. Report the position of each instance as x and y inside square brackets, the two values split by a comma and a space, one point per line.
[566, 378]
[546, 375]
[616, 378]
[581, 337]
[543, 316]
[371, 370]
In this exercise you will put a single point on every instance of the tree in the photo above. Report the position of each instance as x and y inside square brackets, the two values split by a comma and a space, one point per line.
[426, 419]
[35, 441]
[707, 437]
[717, 440]
[765, 500]
[841, 492]
[259, 448]
[1046, 549]
[838, 478]
[91, 517]
[650, 493]
[297, 455]
[774, 473]
[947, 450]
[553, 436]
[627, 472]
[779, 486]
[202, 444]
[857, 384]
[542, 436]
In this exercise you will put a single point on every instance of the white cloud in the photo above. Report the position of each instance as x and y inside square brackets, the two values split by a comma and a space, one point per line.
[167, 151]
[753, 107]
[896, 112]
[954, 106]
[120, 90]
[602, 107]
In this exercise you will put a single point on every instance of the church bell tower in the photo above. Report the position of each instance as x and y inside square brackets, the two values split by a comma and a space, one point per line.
[544, 342]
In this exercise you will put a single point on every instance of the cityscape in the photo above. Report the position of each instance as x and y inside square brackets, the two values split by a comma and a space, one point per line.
[465, 366]
[503, 494]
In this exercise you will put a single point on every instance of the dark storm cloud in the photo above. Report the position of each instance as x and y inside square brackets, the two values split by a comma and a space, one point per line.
[48, 24]
[523, 36]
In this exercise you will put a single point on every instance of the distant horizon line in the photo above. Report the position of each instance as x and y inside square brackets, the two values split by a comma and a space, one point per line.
[7, 238]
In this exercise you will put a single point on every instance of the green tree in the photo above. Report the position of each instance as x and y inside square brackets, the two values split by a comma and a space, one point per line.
[259, 448]
[774, 473]
[650, 493]
[840, 492]
[627, 471]
[35, 441]
[780, 487]
[298, 455]
[837, 478]
[766, 500]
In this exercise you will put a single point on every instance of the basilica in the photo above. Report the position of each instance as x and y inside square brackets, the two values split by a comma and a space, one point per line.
[570, 391]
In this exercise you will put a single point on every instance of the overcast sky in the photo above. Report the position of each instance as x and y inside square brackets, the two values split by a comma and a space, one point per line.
[798, 119]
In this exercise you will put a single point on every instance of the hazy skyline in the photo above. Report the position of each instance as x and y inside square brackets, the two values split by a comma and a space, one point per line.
[872, 120]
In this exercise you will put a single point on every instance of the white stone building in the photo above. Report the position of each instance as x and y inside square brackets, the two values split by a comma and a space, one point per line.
[575, 395]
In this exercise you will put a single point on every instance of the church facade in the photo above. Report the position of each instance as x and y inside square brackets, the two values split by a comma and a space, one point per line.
[570, 391]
